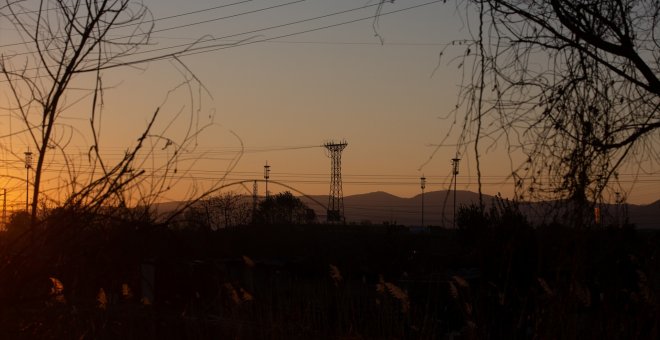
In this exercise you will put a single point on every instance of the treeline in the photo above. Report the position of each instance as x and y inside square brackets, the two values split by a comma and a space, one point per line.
[232, 210]
[120, 273]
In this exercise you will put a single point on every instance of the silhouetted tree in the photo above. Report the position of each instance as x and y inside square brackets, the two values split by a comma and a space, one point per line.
[234, 209]
[220, 211]
[64, 40]
[63, 49]
[19, 224]
[573, 84]
[284, 208]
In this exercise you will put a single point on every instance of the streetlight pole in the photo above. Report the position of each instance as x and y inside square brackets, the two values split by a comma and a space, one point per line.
[422, 183]
[266, 177]
[28, 165]
[454, 163]
[618, 209]
[4, 208]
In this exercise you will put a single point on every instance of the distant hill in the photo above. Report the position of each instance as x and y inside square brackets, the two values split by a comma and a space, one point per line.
[381, 207]
[645, 216]
[378, 207]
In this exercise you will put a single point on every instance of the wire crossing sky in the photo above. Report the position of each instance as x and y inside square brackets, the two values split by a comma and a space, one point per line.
[281, 78]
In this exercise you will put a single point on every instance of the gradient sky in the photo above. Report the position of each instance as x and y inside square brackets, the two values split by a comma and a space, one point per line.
[282, 99]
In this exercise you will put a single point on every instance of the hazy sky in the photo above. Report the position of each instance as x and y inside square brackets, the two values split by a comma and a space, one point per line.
[280, 99]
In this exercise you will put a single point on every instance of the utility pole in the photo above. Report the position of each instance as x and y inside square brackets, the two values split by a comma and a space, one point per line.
[4, 208]
[422, 184]
[454, 163]
[266, 177]
[619, 211]
[28, 165]
[255, 192]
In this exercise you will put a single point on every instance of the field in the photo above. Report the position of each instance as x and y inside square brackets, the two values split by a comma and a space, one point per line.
[330, 282]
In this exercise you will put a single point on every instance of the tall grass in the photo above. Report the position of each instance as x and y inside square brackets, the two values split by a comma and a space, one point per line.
[82, 280]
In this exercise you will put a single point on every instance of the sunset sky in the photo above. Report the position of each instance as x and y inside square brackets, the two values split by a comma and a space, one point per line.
[279, 90]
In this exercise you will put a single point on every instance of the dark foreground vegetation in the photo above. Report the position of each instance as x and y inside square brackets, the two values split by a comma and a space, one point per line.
[90, 277]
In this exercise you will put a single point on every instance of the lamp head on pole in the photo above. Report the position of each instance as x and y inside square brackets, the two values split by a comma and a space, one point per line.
[28, 159]
[266, 171]
[422, 182]
[454, 162]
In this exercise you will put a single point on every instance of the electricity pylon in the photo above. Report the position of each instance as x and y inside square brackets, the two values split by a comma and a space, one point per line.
[335, 211]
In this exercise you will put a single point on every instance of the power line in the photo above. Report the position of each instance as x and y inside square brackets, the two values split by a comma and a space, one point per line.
[201, 10]
[340, 43]
[217, 47]
[227, 16]
[355, 178]
[189, 50]
[270, 27]
[125, 25]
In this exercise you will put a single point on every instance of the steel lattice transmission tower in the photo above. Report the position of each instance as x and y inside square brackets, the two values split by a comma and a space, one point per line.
[336, 197]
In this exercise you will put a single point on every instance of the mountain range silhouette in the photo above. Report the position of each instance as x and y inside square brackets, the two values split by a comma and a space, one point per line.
[384, 208]
[381, 207]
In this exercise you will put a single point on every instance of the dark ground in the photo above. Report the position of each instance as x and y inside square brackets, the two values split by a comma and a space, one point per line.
[321, 281]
